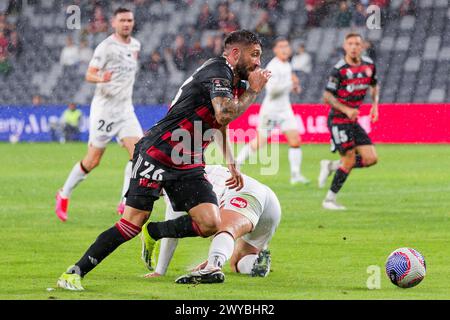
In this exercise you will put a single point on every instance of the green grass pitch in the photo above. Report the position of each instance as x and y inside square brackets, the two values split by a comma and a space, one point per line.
[403, 201]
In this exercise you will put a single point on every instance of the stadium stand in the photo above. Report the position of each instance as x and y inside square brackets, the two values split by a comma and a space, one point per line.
[412, 48]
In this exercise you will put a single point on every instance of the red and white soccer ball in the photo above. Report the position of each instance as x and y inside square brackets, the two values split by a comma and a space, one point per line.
[406, 267]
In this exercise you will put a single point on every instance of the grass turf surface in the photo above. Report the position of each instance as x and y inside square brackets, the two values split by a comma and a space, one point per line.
[403, 201]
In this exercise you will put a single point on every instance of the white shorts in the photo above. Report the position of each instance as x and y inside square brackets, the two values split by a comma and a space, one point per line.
[102, 129]
[268, 121]
[264, 213]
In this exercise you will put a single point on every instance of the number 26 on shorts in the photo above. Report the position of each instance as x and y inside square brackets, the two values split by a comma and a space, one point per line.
[102, 126]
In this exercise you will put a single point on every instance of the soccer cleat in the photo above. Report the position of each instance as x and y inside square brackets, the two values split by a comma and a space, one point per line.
[121, 208]
[332, 205]
[261, 267]
[148, 247]
[325, 172]
[296, 179]
[214, 275]
[70, 281]
[62, 204]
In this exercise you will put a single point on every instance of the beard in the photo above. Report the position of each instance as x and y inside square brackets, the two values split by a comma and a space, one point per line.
[242, 71]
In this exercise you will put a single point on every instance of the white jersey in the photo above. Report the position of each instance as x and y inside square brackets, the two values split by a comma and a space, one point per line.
[278, 88]
[114, 98]
[255, 201]
[217, 176]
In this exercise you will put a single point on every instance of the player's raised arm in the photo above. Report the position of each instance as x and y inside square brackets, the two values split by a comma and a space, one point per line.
[227, 108]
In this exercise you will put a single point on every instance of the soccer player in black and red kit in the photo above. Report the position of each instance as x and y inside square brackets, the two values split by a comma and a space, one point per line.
[346, 90]
[171, 154]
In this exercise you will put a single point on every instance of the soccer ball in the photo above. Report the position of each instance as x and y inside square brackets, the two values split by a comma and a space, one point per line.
[405, 267]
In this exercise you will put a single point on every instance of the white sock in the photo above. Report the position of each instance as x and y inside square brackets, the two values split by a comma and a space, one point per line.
[221, 250]
[168, 245]
[335, 165]
[295, 160]
[166, 251]
[126, 179]
[75, 177]
[244, 154]
[245, 265]
[331, 196]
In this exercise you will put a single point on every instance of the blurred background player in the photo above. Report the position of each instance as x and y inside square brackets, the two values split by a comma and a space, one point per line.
[347, 87]
[276, 111]
[113, 68]
[249, 218]
[71, 120]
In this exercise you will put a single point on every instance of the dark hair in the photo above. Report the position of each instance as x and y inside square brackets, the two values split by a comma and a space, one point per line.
[352, 35]
[279, 39]
[121, 10]
[244, 37]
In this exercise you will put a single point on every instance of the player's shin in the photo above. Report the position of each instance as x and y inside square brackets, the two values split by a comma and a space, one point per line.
[339, 179]
[168, 245]
[126, 179]
[295, 160]
[220, 251]
[78, 174]
[104, 245]
[181, 227]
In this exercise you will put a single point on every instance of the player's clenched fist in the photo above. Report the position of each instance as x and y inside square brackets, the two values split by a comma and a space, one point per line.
[258, 79]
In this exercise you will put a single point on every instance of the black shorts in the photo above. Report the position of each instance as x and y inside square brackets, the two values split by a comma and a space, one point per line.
[347, 136]
[147, 182]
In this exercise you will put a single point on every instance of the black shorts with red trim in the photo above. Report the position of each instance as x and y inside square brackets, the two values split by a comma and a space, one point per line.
[347, 136]
[185, 189]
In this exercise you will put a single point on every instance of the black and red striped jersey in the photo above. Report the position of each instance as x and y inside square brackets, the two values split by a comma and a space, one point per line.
[349, 84]
[177, 142]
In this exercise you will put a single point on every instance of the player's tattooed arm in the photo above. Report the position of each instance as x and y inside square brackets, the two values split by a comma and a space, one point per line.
[331, 100]
[227, 109]
[93, 76]
[375, 94]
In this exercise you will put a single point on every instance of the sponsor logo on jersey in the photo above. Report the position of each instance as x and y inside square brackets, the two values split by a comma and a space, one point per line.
[239, 202]
[350, 74]
[147, 183]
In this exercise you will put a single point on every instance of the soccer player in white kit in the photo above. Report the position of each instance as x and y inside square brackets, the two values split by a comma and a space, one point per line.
[113, 68]
[276, 110]
[249, 218]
